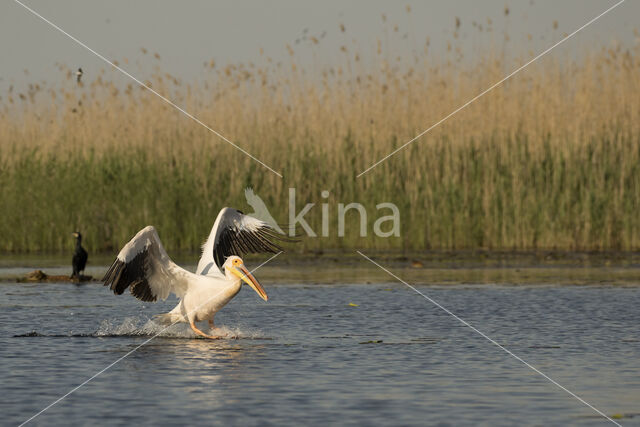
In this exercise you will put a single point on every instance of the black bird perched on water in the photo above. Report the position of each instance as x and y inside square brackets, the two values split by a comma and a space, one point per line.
[79, 74]
[79, 260]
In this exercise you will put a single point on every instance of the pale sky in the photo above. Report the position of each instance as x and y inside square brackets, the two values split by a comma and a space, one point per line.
[186, 34]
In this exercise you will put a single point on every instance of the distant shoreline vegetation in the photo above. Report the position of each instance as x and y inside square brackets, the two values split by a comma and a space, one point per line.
[549, 160]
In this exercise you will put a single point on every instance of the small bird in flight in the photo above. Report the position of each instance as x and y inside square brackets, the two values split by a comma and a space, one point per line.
[79, 74]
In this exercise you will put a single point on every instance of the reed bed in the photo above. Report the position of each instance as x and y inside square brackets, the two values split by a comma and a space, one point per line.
[549, 160]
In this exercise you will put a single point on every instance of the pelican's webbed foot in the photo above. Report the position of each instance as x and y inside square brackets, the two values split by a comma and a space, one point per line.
[199, 332]
[220, 331]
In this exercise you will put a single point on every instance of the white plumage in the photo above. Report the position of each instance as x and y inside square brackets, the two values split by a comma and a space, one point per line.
[144, 267]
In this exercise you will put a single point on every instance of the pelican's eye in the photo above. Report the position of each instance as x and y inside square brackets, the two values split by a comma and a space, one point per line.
[237, 262]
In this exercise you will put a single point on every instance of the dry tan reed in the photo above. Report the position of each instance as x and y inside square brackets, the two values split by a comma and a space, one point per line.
[550, 159]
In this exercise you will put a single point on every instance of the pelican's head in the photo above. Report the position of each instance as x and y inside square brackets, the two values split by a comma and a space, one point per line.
[234, 269]
[77, 235]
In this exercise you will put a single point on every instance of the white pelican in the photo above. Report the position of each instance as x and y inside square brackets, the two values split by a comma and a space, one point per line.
[144, 267]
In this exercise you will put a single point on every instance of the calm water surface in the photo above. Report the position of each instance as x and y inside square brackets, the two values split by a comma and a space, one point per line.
[308, 356]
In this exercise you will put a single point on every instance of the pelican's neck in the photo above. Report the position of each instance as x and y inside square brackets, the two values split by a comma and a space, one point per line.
[234, 285]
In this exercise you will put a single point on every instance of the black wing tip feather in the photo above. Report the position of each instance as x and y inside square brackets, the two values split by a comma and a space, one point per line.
[132, 275]
[240, 242]
[283, 237]
[142, 291]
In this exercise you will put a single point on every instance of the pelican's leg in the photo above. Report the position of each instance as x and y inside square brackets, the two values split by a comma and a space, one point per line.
[199, 332]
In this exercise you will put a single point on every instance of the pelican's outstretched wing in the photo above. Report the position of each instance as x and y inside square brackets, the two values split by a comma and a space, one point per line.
[144, 266]
[234, 233]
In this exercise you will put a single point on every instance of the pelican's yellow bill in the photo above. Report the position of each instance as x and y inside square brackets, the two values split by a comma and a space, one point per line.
[248, 278]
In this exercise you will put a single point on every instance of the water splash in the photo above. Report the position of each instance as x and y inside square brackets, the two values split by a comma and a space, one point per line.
[145, 327]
